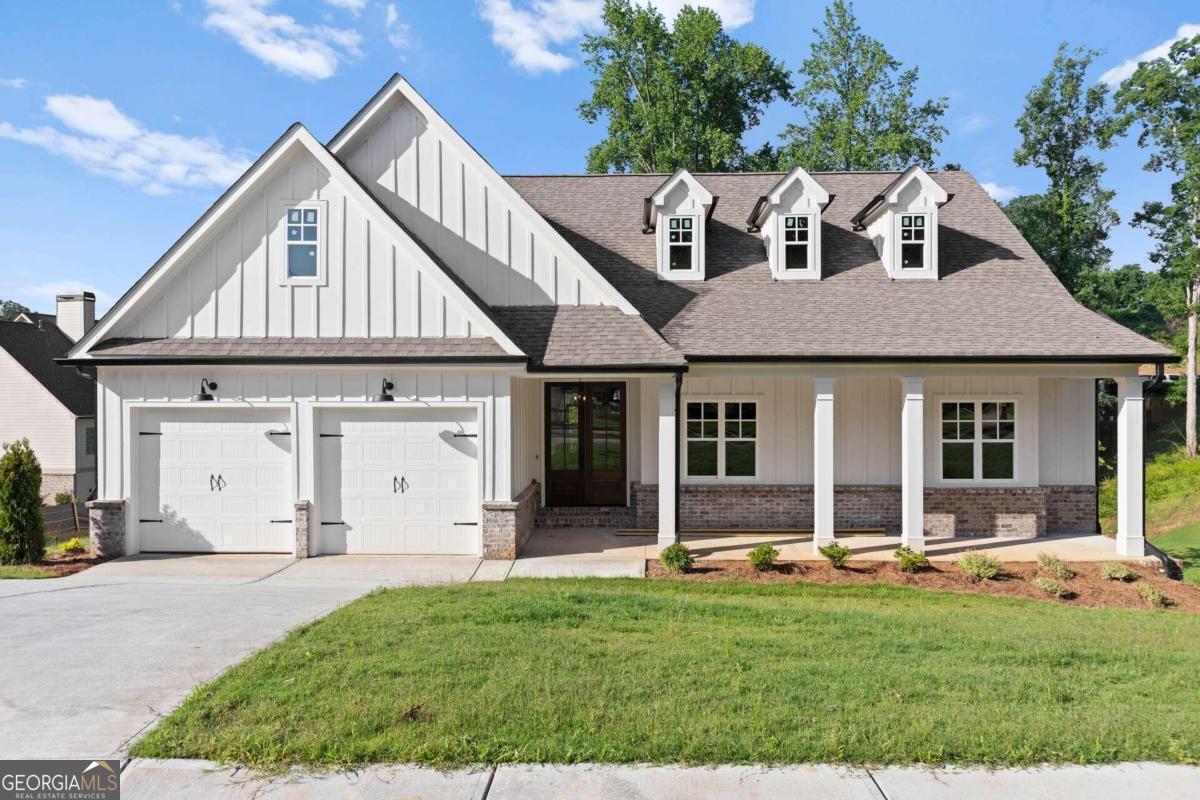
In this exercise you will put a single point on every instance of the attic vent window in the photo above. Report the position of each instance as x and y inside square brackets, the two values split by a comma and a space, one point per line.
[912, 241]
[795, 242]
[303, 242]
[679, 243]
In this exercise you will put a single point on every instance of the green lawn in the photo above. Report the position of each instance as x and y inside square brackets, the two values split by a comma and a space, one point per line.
[662, 671]
[1183, 543]
[23, 571]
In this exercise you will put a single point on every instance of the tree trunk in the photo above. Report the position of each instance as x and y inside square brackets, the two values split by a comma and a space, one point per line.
[1190, 424]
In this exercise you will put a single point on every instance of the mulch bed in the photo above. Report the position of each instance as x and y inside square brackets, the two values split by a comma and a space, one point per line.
[1087, 587]
[61, 564]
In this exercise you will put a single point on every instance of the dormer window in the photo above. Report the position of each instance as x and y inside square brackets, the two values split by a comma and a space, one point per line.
[789, 217]
[902, 222]
[796, 253]
[681, 252]
[912, 241]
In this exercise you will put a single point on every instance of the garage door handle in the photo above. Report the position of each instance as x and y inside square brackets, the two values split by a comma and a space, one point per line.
[212, 482]
[395, 484]
[221, 484]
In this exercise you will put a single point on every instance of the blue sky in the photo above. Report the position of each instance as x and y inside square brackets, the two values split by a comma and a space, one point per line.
[121, 122]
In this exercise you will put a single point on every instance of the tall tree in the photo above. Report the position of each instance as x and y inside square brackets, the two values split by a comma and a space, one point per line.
[9, 309]
[678, 97]
[1065, 121]
[858, 105]
[1163, 98]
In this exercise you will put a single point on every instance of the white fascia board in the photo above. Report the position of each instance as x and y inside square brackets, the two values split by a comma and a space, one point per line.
[398, 85]
[929, 187]
[811, 187]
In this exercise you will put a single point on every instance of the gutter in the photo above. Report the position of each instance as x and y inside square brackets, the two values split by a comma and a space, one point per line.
[155, 361]
[859, 358]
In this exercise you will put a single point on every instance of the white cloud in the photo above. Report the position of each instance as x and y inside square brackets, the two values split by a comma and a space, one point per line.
[355, 7]
[1128, 67]
[104, 141]
[534, 33]
[52, 289]
[973, 123]
[398, 33]
[1001, 194]
[312, 52]
[14, 83]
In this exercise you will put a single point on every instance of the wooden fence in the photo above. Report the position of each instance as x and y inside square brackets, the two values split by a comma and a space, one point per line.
[65, 521]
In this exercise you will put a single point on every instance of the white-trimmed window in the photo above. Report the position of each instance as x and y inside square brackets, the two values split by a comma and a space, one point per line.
[303, 257]
[89, 441]
[722, 439]
[797, 240]
[979, 440]
[913, 240]
[680, 244]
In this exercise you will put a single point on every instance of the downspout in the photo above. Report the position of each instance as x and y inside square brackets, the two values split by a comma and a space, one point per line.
[1099, 387]
[1169, 567]
[678, 430]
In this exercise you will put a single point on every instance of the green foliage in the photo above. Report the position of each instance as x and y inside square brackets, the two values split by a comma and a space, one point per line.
[1052, 587]
[979, 565]
[75, 544]
[1067, 117]
[677, 557]
[1048, 562]
[910, 560]
[22, 540]
[9, 309]
[763, 557]
[1153, 596]
[63, 498]
[1116, 571]
[1183, 544]
[836, 554]
[858, 106]
[1172, 492]
[677, 97]
[1130, 295]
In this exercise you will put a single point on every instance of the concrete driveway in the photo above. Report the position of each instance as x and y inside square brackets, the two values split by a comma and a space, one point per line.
[90, 660]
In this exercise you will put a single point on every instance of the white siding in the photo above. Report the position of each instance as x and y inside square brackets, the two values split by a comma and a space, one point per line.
[232, 285]
[496, 243]
[1068, 431]
[27, 409]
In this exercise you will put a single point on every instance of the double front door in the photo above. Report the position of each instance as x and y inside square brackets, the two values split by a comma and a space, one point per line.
[585, 444]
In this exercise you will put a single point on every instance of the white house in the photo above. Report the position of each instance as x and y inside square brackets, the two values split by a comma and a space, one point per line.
[51, 405]
[381, 345]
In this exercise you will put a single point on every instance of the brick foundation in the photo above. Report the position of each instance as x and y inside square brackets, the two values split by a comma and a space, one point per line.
[106, 527]
[301, 528]
[507, 524]
[586, 517]
[1009, 511]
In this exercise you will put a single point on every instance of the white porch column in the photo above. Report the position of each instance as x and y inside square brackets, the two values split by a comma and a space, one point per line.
[822, 462]
[668, 442]
[1131, 536]
[912, 463]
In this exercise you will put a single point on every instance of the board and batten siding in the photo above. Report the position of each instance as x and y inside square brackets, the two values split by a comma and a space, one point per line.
[1067, 417]
[495, 242]
[233, 285]
[304, 386]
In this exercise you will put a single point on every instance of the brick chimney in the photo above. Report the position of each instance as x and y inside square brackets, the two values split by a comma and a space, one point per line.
[76, 314]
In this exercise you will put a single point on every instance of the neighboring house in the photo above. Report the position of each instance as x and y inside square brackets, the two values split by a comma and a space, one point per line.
[53, 405]
[381, 345]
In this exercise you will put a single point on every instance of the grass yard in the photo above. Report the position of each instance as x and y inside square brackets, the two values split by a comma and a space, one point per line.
[1183, 543]
[672, 671]
[24, 572]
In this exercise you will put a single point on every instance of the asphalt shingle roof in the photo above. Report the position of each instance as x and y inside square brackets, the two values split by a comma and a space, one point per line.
[585, 336]
[996, 299]
[281, 348]
[35, 349]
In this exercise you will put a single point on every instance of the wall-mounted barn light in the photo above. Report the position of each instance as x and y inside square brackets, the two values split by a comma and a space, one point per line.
[385, 392]
[204, 395]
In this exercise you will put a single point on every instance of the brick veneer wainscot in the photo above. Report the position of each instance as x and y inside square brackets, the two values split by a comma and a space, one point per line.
[106, 527]
[508, 523]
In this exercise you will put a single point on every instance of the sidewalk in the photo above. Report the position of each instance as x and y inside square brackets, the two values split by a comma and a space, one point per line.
[185, 780]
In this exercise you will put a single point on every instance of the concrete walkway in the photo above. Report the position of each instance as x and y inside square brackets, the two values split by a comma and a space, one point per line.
[185, 780]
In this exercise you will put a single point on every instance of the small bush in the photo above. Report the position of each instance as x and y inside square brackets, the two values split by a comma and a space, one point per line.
[910, 560]
[76, 544]
[22, 537]
[1048, 562]
[63, 498]
[763, 556]
[1153, 596]
[979, 565]
[1052, 587]
[676, 557]
[1116, 571]
[837, 554]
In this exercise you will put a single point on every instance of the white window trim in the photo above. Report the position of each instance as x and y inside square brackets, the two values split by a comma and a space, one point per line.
[978, 440]
[322, 275]
[925, 248]
[694, 245]
[814, 246]
[894, 244]
[721, 400]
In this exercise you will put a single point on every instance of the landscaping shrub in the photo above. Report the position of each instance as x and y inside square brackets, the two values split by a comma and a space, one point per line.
[63, 498]
[75, 544]
[980, 565]
[838, 554]
[1116, 571]
[1052, 587]
[910, 560]
[1153, 596]
[676, 557]
[1048, 562]
[763, 556]
[22, 539]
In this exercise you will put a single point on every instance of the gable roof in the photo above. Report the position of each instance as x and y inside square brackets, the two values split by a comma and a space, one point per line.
[996, 300]
[35, 349]
[587, 337]
[890, 194]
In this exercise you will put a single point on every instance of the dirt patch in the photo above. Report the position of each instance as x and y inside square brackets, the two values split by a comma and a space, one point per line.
[1088, 588]
[61, 564]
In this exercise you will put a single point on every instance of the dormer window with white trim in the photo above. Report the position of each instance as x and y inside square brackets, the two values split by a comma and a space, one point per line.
[902, 222]
[789, 217]
[303, 248]
[676, 214]
[913, 250]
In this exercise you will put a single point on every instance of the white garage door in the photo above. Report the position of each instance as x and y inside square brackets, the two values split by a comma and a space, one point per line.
[398, 481]
[214, 480]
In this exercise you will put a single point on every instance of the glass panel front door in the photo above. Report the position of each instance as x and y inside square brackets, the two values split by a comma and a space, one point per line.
[585, 444]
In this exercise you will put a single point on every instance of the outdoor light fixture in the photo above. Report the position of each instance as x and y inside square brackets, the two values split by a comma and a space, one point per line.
[204, 396]
[385, 393]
